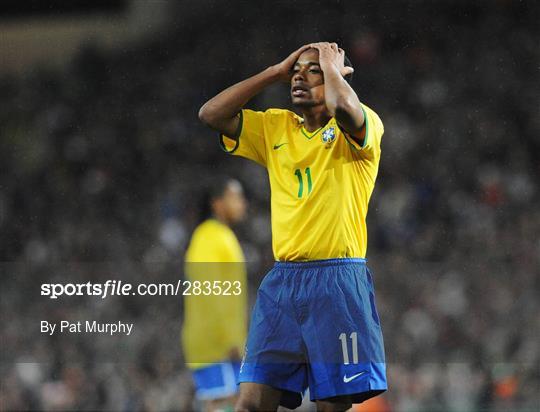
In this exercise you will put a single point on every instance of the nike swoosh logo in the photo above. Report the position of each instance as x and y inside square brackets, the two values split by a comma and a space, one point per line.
[277, 146]
[347, 380]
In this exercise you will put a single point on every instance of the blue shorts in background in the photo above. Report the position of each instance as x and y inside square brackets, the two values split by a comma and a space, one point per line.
[315, 325]
[216, 381]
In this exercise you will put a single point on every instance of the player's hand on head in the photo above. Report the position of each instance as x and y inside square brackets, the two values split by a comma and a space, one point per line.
[331, 55]
[285, 67]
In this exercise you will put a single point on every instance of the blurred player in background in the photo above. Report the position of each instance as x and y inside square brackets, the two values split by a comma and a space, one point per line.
[315, 322]
[215, 322]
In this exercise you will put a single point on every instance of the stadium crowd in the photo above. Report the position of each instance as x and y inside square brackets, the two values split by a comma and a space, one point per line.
[102, 165]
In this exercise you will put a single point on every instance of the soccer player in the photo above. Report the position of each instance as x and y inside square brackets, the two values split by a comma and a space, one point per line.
[215, 321]
[314, 323]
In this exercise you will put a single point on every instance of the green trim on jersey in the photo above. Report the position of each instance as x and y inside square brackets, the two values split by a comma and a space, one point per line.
[349, 138]
[305, 132]
[237, 135]
[366, 124]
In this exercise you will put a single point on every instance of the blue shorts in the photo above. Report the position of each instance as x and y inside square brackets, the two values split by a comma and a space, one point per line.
[315, 325]
[216, 381]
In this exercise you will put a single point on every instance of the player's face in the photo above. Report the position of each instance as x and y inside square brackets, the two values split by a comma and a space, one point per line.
[234, 202]
[307, 82]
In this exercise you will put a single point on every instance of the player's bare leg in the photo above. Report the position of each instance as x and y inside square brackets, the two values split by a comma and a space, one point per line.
[337, 404]
[257, 397]
[326, 406]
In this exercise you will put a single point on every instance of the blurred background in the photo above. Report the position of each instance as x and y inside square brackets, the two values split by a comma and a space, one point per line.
[102, 158]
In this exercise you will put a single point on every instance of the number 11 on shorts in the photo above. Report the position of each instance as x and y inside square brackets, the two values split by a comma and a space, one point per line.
[344, 347]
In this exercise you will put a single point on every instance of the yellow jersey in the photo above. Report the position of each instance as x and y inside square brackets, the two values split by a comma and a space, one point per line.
[320, 182]
[215, 310]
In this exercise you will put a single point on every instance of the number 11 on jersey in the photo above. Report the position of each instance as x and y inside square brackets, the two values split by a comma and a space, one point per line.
[298, 174]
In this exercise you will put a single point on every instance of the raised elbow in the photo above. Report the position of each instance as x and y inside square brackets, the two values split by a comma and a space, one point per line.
[205, 115]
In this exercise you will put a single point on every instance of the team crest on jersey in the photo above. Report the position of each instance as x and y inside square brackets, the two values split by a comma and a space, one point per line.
[329, 135]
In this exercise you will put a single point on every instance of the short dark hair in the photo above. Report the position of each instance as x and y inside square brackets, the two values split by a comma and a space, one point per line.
[213, 189]
[347, 63]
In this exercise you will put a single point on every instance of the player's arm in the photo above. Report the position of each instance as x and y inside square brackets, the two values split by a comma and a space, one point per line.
[220, 112]
[341, 100]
